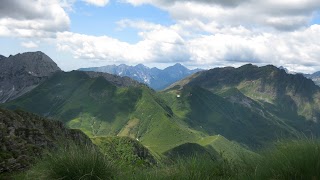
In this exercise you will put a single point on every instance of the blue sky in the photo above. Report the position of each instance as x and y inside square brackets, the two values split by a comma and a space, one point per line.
[98, 21]
[202, 33]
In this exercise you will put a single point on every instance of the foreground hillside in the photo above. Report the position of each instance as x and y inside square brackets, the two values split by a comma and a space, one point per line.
[25, 136]
[284, 160]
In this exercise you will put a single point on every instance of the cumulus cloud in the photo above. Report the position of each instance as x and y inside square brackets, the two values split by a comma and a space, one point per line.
[99, 3]
[298, 50]
[29, 44]
[33, 18]
[283, 15]
[205, 33]
[162, 48]
[226, 3]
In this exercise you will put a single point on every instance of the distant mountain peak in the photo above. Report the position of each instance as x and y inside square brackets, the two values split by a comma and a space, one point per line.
[141, 66]
[178, 64]
[156, 78]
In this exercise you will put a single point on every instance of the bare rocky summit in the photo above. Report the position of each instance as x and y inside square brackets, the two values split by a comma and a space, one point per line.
[21, 73]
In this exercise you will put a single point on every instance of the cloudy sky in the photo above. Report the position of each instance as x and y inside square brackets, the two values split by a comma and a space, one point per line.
[196, 33]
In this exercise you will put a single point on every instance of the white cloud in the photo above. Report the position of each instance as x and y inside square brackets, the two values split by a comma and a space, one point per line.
[165, 47]
[33, 18]
[298, 50]
[206, 33]
[282, 15]
[29, 44]
[99, 3]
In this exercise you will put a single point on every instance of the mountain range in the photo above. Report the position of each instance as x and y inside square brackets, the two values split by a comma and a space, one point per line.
[155, 78]
[230, 110]
[249, 105]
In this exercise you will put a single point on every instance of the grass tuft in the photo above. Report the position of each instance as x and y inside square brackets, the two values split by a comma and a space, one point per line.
[73, 162]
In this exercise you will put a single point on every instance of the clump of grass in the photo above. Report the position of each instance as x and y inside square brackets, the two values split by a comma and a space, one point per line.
[192, 168]
[293, 159]
[73, 162]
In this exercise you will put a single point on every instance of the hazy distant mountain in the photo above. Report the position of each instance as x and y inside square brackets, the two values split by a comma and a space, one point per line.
[156, 78]
[22, 72]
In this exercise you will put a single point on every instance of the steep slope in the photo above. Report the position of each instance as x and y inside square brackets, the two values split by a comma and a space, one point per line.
[249, 104]
[153, 77]
[24, 136]
[22, 72]
[99, 107]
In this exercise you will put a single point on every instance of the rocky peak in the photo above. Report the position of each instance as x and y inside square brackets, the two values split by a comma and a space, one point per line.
[35, 63]
[22, 72]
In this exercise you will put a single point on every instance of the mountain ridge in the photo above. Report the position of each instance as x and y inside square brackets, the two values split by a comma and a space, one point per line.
[265, 101]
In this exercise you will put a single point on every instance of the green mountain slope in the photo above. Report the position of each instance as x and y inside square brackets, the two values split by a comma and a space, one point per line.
[125, 150]
[249, 104]
[100, 108]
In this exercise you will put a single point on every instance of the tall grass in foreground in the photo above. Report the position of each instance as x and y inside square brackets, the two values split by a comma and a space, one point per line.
[197, 167]
[72, 162]
[293, 159]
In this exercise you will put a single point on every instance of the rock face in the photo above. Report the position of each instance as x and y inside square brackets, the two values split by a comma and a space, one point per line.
[24, 136]
[22, 72]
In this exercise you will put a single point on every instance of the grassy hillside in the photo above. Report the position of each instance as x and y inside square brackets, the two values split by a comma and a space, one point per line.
[100, 108]
[126, 151]
[250, 105]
